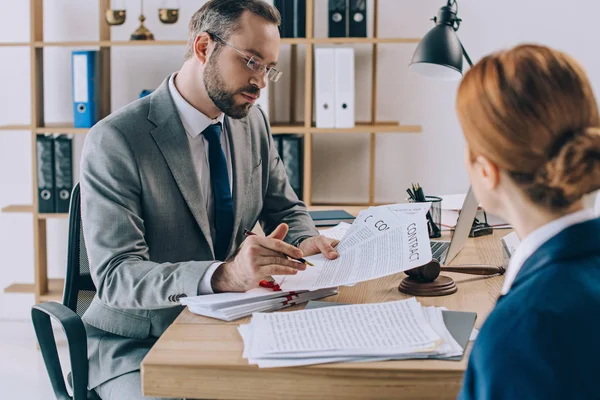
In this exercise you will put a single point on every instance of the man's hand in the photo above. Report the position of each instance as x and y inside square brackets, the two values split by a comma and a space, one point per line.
[320, 244]
[258, 257]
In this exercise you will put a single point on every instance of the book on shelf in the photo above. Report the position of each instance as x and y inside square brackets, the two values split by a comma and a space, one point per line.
[54, 174]
[291, 153]
[293, 18]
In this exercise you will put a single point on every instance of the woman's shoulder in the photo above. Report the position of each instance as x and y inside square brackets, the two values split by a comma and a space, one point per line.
[563, 295]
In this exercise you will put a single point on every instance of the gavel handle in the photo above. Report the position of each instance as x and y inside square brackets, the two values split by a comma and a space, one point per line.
[475, 269]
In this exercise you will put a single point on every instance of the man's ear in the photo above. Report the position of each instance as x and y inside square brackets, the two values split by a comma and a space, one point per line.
[488, 172]
[201, 47]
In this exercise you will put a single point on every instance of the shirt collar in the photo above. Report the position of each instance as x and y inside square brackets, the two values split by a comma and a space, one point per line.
[193, 120]
[537, 238]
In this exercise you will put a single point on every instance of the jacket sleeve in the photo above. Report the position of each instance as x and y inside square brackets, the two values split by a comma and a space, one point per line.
[281, 203]
[113, 227]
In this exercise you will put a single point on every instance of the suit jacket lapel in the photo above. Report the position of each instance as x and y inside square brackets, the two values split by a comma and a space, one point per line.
[239, 139]
[171, 139]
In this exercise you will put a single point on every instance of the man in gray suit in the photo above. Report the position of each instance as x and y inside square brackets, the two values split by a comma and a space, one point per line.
[170, 182]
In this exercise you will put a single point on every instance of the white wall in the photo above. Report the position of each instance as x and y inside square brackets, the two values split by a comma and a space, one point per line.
[433, 158]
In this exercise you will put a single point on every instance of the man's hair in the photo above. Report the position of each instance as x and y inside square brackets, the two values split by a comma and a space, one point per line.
[221, 18]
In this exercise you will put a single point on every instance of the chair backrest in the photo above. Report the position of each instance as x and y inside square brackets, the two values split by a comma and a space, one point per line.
[79, 288]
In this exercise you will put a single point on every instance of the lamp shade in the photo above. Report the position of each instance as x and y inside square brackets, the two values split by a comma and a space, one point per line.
[439, 54]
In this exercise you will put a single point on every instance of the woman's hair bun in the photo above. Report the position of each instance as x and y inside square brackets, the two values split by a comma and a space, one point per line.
[572, 171]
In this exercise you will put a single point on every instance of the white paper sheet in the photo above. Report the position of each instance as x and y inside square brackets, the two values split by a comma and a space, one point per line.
[450, 346]
[366, 254]
[337, 232]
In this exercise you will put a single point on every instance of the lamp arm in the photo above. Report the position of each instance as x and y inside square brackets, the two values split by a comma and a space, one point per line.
[466, 55]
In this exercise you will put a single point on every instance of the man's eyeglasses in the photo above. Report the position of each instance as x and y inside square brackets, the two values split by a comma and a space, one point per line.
[252, 63]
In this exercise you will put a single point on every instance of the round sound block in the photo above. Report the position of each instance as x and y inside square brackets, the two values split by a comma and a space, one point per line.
[442, 286]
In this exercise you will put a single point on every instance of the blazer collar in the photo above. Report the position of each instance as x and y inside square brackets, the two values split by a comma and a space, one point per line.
[171, 139]
[577, 241]
[241, 154]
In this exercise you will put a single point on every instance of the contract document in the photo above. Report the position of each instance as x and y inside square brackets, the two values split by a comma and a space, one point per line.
[382, 241]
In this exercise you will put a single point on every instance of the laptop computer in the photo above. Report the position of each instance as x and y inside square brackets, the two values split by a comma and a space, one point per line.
[445, 251]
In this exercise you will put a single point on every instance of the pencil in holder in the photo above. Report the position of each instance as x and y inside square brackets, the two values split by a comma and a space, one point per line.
[434, 216]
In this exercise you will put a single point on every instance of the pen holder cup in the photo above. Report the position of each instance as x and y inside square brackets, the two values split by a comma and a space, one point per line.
[436, 216]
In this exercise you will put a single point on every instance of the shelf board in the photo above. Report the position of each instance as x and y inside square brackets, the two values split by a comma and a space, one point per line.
[287, 128]
[61, 128]
[277, 128]
[115, 43]
[371, 128]
[349, 40]
[360, 127]
[112, 43]
[17, 208]
[53, 215]
[14, 44]
[91, 43]
[55, 289]
[15, 127]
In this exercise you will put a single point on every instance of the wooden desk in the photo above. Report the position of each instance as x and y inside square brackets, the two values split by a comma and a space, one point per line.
[199, 357]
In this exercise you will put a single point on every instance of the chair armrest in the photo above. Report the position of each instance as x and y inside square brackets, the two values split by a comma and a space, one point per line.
[76, 340]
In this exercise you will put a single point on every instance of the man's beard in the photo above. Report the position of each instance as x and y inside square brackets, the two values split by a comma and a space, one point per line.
[222, 97]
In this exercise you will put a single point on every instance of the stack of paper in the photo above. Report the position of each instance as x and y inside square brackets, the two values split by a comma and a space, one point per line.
[381, 241]
[231, 306]
[361, 332]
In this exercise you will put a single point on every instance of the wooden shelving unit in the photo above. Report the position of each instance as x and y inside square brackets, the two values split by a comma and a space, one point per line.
[54, 293]
[61, 128]
[51, 289]
[288, 41]
[15, 127]
[14, 44]
[17, 209]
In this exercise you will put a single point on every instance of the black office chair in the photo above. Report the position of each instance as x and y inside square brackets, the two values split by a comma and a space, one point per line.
[78, 293]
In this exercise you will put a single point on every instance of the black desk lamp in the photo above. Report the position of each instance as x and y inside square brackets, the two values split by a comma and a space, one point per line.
[439, 54]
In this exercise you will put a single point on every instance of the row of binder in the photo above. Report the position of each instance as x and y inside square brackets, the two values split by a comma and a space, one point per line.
[86, 88]
[334, 87]
[293, 18]
[54, 159]
[347, 18]
[291, 152]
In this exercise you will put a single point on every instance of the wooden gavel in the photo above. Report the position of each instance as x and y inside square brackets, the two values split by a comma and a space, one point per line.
[430, 271]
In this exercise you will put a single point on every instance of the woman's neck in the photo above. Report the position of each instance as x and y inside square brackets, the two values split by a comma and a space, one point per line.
[526, 217]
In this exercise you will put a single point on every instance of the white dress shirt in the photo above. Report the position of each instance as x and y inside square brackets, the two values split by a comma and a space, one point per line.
[195, 123]
[537, 238]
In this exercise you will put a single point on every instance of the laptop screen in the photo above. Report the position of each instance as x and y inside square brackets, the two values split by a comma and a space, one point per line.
[463, 226]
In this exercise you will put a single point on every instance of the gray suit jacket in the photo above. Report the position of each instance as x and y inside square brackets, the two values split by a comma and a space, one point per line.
[146, 230]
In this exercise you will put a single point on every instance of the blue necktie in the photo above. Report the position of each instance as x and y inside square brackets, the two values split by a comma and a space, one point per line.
[219, 178]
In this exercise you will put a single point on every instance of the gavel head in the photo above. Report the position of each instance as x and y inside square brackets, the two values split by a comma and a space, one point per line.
[426, 273]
